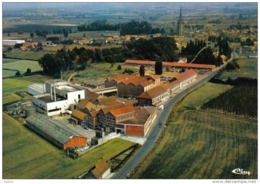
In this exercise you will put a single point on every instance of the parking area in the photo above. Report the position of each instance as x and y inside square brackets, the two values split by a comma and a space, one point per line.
[86, 133]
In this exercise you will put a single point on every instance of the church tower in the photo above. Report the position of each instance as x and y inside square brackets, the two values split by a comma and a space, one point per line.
[180, 24]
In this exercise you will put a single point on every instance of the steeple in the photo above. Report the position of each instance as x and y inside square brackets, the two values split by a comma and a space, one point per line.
[180, 14]
[180, 24]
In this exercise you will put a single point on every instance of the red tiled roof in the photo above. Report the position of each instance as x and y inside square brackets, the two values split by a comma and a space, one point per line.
[185, 75]
[122, 110]
[171, 64]
[108, 101]
[78, 114]
[152, 93]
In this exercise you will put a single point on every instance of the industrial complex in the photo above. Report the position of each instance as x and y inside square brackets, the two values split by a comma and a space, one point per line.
[122, 105]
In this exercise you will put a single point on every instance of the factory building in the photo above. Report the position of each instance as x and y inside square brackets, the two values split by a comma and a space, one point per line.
[55, 132]
[58, 97]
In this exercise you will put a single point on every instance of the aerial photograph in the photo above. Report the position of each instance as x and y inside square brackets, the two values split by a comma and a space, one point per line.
[130, 90]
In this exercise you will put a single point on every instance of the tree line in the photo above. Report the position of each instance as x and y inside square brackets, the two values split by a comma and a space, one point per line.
[130, 28]
[161, 48]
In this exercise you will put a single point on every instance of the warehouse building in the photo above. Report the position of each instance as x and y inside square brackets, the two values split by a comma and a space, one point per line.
[55, 132]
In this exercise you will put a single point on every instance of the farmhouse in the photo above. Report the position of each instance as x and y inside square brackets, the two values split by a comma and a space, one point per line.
[55, 132]
[58, 97]
[176, 65]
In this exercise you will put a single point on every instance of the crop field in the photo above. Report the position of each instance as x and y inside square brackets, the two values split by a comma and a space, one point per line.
[202, 145]
[28, 156]
[241, 100]
[21, 65]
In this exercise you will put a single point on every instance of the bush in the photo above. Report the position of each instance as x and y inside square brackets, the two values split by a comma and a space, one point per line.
[119, 67]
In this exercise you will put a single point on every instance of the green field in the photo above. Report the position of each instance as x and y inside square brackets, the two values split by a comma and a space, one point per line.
[101, 71]
[29, 55]
[201, 144]
[19, 84]
[26, 155]
[21, 65]
[248, 68]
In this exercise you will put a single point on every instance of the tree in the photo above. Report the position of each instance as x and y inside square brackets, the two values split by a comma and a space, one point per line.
[17, 73]
[119, 67]
[31, 35]
[65, 33]
[28, 71]
[141, 70]
[158, 67]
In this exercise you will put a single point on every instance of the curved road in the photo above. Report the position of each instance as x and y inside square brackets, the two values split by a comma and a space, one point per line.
[162, 116]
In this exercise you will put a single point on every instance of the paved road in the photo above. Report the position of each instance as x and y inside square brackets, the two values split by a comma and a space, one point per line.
[162, 116]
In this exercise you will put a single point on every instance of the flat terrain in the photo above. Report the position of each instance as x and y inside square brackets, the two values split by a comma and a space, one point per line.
[29, 55]
[199, 144]
[20, 65]
[248, 68]
[28, 156]
[102, 71]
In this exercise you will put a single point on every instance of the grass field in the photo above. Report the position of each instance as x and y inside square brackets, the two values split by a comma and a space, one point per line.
[248, 68]
[29, 55]
[202, 145]
[21, 65]
[101, 71]
[26, 155]
[19, 84]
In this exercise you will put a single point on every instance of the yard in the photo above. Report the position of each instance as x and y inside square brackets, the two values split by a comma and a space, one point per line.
[28, 156]
[201, 144]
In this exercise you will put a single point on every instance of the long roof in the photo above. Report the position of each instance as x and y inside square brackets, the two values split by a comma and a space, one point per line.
[133, 79]
[170, 64]
[154, 92]
[52, 127]
[185, 75]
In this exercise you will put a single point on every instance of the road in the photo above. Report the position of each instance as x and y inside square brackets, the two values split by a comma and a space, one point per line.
[162, 116]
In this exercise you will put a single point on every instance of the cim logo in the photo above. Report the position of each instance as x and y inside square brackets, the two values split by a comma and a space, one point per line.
[241, 172]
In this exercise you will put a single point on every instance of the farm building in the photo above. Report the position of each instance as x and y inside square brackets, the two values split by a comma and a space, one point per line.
[58, 98]
[55, 132]
[176, 65]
